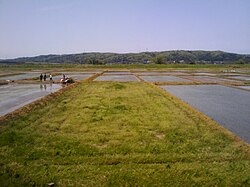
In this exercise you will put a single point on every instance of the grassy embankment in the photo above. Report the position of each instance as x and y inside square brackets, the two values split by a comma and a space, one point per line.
[119, 134]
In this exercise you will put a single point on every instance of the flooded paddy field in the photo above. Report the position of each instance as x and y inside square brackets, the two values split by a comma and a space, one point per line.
[117, 73]
[121, 78]
[31, 75]
[76, 76]
[14, 96]
[7, 73]
[244, 87]
[244, 78]
[229, 74]
[205, 74]
[164, 79]
[77, 72]
[227, 106]
[208, 79]
[21, 76]
[152, 73]
[245, 71]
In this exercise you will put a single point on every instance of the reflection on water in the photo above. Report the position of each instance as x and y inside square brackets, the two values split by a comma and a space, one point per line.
[50, 85]
[14, 96]
[43, 87]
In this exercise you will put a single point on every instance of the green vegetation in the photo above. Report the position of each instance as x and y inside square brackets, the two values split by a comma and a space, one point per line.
[89, 67]
[159, 59]
[180, 56]
[119, 134]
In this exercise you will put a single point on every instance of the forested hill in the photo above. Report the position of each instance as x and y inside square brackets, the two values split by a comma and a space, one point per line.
[193, 57]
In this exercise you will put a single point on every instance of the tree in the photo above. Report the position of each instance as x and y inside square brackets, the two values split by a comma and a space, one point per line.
[159, 59]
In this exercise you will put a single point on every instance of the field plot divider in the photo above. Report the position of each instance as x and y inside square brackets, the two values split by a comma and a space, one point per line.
[138, 77]
[93, 77]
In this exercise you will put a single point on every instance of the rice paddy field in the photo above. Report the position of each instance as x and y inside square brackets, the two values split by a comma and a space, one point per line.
[114, 133]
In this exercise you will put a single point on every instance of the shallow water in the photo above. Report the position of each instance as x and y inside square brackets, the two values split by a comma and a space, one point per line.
[244, 87]
[208, 74]
[14, 96]
[230, 107]
[160, 73]
[210, 79]
[245, 78]
[78, 72]
[74, 76]
[118, 78]
[21, 76]
[163, 79]
[117, 73]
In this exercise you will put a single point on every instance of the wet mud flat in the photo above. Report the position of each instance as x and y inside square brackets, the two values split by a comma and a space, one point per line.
[14, 96]
[164, 79]
[121, 78]
[230, 107]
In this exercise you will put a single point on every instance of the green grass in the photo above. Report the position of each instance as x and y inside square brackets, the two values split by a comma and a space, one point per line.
[119, 134]
[78, 67]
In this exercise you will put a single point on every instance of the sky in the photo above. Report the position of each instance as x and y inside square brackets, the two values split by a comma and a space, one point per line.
[40, 27]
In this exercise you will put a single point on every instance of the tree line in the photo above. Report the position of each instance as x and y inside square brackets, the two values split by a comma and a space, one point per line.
[165, 57]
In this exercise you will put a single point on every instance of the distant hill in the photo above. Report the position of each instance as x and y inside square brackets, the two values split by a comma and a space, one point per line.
[180, 56]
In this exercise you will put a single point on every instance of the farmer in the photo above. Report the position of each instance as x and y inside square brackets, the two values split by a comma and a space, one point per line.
[44, 77]
[41, 77]
[50, 77]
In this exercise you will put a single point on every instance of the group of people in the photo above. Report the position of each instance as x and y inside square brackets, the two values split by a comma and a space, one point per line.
[44, 77]
[64, 79]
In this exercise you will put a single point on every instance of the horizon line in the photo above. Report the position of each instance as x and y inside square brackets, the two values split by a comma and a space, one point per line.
[157, 51]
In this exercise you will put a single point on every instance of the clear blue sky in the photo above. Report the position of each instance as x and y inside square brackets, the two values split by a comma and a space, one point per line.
[34, 27]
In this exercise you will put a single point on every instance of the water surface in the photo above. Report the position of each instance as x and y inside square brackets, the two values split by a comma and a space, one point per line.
[230, 107]
[118, 78]
[163, 79]
[14, 96]
[20, 76]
